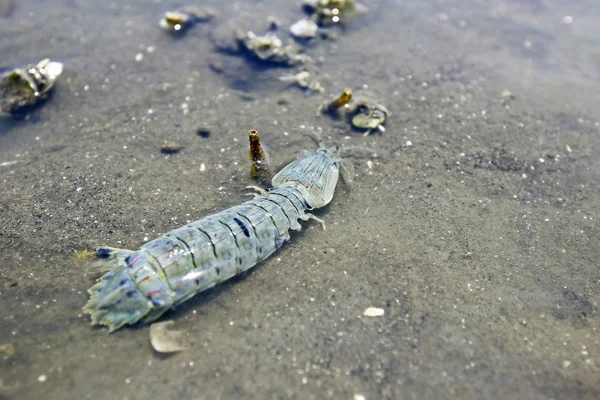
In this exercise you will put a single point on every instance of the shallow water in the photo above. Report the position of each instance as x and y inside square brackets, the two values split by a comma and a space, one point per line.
[471, 221]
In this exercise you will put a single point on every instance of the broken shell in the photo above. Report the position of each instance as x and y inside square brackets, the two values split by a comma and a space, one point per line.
[174, 21]
[180, 20]
[22, 88]
[304, 29]
[303, 79]
[171, 147]
[164, 340]
[373, 312]
[53, 69]
[367, 115]
[270, 48]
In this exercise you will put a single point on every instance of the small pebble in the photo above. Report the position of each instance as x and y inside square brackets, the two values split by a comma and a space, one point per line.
[373, 312]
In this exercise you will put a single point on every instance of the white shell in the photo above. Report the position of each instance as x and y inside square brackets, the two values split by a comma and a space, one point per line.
[304, 29]
[164, 340]
[54, 69]
[373, 312]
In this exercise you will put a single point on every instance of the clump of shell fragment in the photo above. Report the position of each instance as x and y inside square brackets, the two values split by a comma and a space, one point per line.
[21, 89]
[270, 48]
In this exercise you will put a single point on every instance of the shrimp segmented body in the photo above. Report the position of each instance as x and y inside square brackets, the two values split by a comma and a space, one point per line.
[167, 271]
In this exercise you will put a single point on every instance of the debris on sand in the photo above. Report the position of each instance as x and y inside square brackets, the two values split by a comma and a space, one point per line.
[170, 147]
[179, 21]
[304, 79]
[374, 312]
[270, 48]
[304, 29]
[164, 340]
[21, 89]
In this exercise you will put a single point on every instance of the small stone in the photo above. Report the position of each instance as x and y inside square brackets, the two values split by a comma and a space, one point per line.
[374, 312]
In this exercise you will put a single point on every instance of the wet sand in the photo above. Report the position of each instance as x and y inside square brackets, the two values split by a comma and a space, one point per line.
[471, 220]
